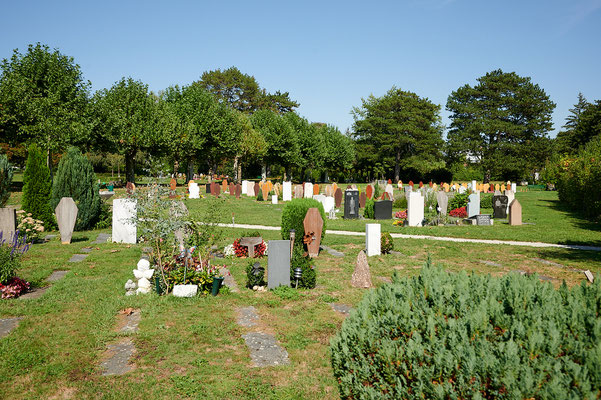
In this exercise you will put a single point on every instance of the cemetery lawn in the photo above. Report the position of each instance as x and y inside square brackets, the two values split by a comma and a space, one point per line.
[192, 348]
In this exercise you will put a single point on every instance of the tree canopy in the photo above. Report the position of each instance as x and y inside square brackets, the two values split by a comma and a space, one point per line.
[582, 125]
[502, 122]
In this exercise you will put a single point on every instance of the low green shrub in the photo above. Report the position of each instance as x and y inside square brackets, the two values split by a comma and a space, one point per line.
[260, 196]
[386, 243]
[286, 293]
[293, 216]
[458, 201]
[368, 212]
[105, 217]
[6, 179]
[255, 276]
[309, 275]
[401, 202]
[486, 200]
[458, 335]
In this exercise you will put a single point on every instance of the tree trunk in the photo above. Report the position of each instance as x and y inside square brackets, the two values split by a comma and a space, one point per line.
[130, 166]
[190, 170]
[264, 172]
[175, 168]
[397, 166]
[326, 177]
[49, 161]
[237, 169]
[487, 176]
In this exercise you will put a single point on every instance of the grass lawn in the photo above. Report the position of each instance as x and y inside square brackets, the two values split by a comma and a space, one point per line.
[193, 348]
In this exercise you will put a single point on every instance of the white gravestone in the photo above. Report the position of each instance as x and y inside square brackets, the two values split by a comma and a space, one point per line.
[244, 186]
[274, 199]
[124, 225]
[510, 196]
[474, 186]
[473, 205]
[319, 197]
[328, 204]
[250, 189]
[415, 209]
[514, 187]
[372, 239]
[8, 223]
[389, 191]
[194, 191]
[287, 191]
[462, 189]
[66, 215]
[308, 190]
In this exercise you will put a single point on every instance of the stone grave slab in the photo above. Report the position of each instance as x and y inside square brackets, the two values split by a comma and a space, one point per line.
[264, 350]
[232, 189]
[66, 215]
[102, 238]
[78, 257]
[128, 322]
[35, 293]
[313, 224]
[308, 190]
[124, 227]
[287, 191]
[443, 202]
[332, 251]
[117, 358]
[338, 197]
[7, 325]
[244, 187]
[491, 263]
[56, 276]
[499, 204]
[8, 222]
[369, 191]
[361, 277]
[328, 204]
[229, 280]
[344, 309]
[415, 209]
[265, 190]
[362, 200]
[86, 249]
[256, 188]
[250, 189]
[238, 190]
[383, 209]
[372, 239]
[278, 264]
[473, 205]
[250, 243]
[515, 213]
[247, 316]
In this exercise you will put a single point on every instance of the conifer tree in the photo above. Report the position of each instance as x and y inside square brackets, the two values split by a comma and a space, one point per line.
[75, 178]
[37, 186]
[6, 178]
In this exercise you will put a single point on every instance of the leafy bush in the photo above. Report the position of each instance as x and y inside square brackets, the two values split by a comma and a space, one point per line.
[255, 276]
[458, 201]
[199, 272]
[31, 228]
[6, 179]
[486, 200]
[105, 218]
[386, 243]
[369, 211]
[260, 196]
[75, 178]
[37, 186]
[454, 335]
[309, 276]
[377, 191]
[401, 202]
[293, 216]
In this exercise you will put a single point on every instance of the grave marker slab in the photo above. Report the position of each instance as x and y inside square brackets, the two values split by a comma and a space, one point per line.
[372, 239]
[362, 200]
[361, 277]
[278, 264]
[287, 191]
[473, 205]
[369, 191]
[66, 215]
[124, 227]
[338, 197]
[250, 189]
[238, 190]
[250, 243]
[351, 204]
[499, 204]
[308, 190]
[194, 190]
[415, 209]
[8, 223]
[443, 202]
[298, 192]
[313, 224]
[328, 204]
[244, 186]
[515, 213]
[383, 209]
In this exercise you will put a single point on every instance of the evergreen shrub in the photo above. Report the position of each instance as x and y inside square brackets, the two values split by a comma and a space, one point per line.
[386, 243]
[293, 216]
[369, 212]
[37, 186]
[75, 178]
[6, 179]
[400, 202]
[458, 335]
[251, 278]
[458, 201]
[486, 200]
[309, 275]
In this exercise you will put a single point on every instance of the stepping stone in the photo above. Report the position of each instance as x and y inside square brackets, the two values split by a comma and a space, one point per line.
[49, 237]
[247, 316]
[229, 280]
[491, 263]
[545, 278]
[102, 238]
[332, 251]
[8, 324]
[341, 308]
[86, 249]
[540, 260]
[56, 276]
[128, 323]
[396, 253]
[78, 257]
[117, 358]
[386, 279]
[35, 293]
[264, 350]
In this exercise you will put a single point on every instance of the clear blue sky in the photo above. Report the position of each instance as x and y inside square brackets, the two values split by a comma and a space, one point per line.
[327, 54]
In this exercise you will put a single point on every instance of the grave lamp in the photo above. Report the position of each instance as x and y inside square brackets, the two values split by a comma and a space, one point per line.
[298, 273]
[292, 236]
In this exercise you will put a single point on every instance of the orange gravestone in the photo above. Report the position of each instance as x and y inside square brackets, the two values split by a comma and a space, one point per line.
[313, 224]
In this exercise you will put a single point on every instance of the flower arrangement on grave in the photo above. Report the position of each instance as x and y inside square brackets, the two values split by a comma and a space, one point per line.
[242, 251]
[33, 228]
[255, 275]
[460, 212]
[11, 251]
[229, 251]
[401, 214]
[196, 270]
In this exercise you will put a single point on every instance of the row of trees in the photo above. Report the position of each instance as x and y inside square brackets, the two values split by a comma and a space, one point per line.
[225, 121]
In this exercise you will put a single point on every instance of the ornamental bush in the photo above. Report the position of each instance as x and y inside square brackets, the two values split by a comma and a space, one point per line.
[309, 275]
[458, 335]
[369, 212]
[293, 216]
[255, 276]
[75, 178]
[386, 243]
[6, 179]
[37, 186]
[458, 201]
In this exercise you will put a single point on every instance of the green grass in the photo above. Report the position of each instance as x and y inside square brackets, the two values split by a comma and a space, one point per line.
[192, 348]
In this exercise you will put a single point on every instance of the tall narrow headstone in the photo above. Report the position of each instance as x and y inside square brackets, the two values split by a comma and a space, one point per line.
[8, 222]
[362, 200]
[443, 202]
[66, 215]
[287, 191]
[474, 186]
[372, 239]
[473, 205]
[315, 189]
[250, 189]
[244, 186]
[390, 191]
[124, 224]
[232, 189]
[415, 209]
[351, 204]
[361, 277]
[278, 264]
[510, 196]
[256, 189]
[369, 191]
[238, 190]
[265, 190]
[514, 187]
[194, 190]
[499, 205]
[313, 225]
[515, 213]
[338, 197]
[328, 204]
[308, 190]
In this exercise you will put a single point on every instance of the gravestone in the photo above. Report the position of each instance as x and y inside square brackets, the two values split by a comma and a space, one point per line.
[8, 223]
[483, 219]
[130, 188]
[514, 187]
[391, 192]
[362, 199]
[515, 213]
[124, 226]
[338, 197]
[313, 224]
[287, 191]
[473, 205]
[497, 187]
[224, 186]
[510, 196]
[329, 191]
[315, 189]
[172, 187]
[244, 186]
[415, 209]
[66, 215]
[250, 243]
[383, 209]
[238, 190]
[361, 277]
[298, 192]
[372, 239]
[474, 186]
[232, 189]
[274, 199]
[351, 203]
[499, 205]
[308, 190]
[319, 197]
[256, 189]
[278, 264]
[265, 190]
[462, 190]
[250, 189]
[369, 191]
[207, 188]
[194, 191]
[328, 204]
[443, 202]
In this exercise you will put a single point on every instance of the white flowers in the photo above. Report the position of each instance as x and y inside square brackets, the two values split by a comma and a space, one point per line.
[228, 250]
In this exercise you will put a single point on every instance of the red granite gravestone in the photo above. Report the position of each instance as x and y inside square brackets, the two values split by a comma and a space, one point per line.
[338, 198]
[257, 188]
[421, 184]
[431, 184]
[313, 224]
[172, 186]
[369, 191]
[362, 200]
[238, 190]
[411, 184]
[389, 182]
[232, 189]
[217, 190]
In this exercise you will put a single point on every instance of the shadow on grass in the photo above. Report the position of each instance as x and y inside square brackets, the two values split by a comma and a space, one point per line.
[80, 239]
[573, 256]
[579, 220]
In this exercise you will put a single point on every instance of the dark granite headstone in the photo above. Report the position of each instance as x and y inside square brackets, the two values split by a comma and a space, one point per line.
[208, 188]
[351, 203]
[383, 209]
[499, 206]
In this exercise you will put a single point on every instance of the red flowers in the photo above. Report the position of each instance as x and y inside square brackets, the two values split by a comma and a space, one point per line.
[14, 288]
[401, 214]
[458, 212]
[242, 251]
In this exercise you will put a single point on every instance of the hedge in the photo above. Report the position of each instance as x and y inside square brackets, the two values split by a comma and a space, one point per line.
[37, 185]
[293, 216]
[458, 335]
[6, 179]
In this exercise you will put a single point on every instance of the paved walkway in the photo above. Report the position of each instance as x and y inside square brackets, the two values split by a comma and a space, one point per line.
[438, 238]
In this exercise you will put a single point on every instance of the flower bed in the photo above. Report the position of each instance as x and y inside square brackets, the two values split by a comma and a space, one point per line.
[242, 251]
[458, 212]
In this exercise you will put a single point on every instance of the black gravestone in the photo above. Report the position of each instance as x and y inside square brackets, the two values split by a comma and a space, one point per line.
[483, 219]
[351, 203]
[383, 209]
[499, 206]
[208, 188]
